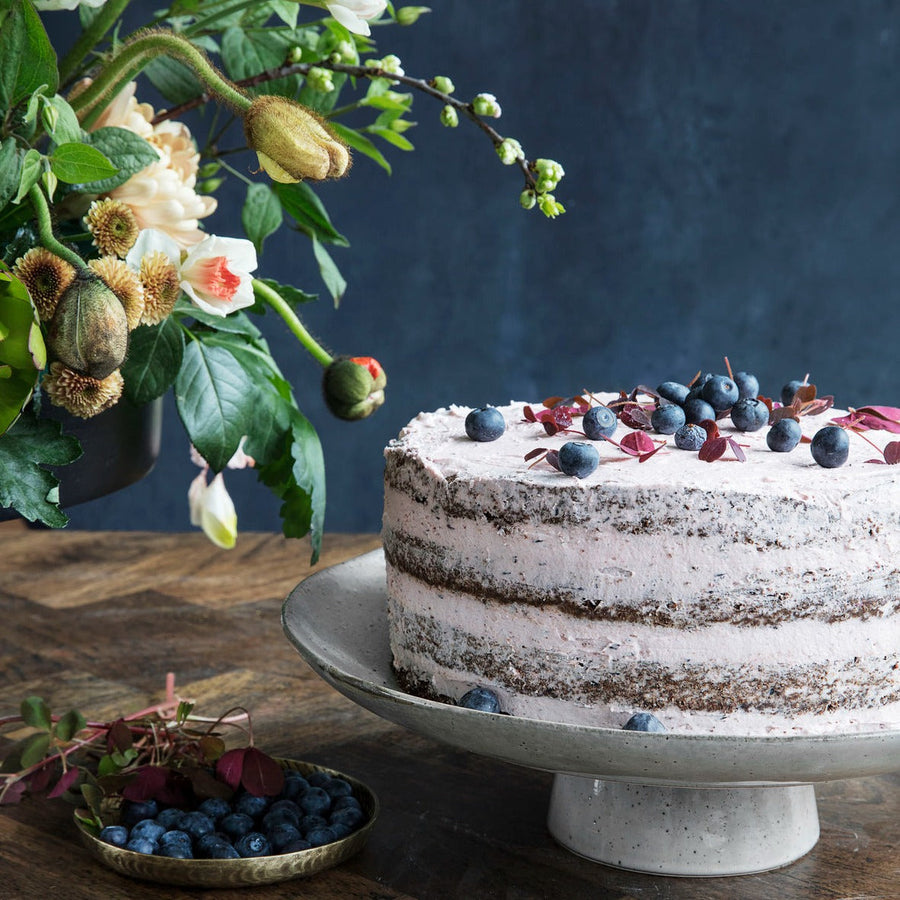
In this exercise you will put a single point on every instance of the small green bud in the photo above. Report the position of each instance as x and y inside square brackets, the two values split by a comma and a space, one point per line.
[295, 54]
[409, 15]
[549, 207]
[346, 51]
[354, 387]
[209, 185]
[449, 118]
[401, 125]
[319, 79]
[89, 330]
[486, 105]
[443, 84]
[510, 151]
[527, 199]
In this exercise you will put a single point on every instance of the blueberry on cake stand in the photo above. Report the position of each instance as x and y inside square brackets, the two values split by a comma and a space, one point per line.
[672, 804]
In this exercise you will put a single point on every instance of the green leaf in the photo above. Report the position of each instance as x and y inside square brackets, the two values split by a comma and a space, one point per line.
[246, 53]
[286, 10]
[24, 484]
[10, 169]
[36, 713]
[175, 81]
[80, 163]
[261, 214]
[234, 323]
[64, 123]
[292, 295]
[69, 725]
[298, 478]
[392, 137]
[360, 142]
[332, 277]
[29, 173]
[129, 152]
[304, 207]
[35, 750]
[27, 58]
[154, 358]
[213, 401]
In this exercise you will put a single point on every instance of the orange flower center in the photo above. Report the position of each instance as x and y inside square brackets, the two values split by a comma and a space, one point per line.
[217, 279]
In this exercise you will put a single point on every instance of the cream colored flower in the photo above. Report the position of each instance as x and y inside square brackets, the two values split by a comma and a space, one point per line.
[212, 509]
[352, 14]
[51, 5]
[163, 195]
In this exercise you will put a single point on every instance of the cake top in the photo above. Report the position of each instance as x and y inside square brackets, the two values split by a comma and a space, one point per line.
[724, 457]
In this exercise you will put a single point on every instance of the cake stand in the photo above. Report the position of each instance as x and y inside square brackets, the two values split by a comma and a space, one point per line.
[672, 804]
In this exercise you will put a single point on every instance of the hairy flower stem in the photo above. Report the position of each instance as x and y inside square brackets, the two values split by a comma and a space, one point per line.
[292, 320]
[45, 228]
[138, 53]
[91, 36]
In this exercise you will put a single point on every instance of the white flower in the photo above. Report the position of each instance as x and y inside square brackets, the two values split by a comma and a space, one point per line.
[352, 14]
[216, 274]
[49, 5]
[212, 510]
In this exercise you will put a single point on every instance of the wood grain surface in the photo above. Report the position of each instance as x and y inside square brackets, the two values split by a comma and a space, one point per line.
[95, 620]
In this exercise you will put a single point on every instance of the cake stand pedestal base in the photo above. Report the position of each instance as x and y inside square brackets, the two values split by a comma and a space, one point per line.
[693, 831]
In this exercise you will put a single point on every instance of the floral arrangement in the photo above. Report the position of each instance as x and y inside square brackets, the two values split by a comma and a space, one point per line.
[111, 288]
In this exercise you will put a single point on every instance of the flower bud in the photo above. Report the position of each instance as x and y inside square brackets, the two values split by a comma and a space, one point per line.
[549, 206]
[486, 105]
[354, 387]
[292, 143]
[409, 15]
[89, 330]
[510, 150]
[449, 118]
[443, 84]
[527, 199]
[319, 79]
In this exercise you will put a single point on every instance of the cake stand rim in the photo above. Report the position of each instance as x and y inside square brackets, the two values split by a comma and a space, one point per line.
[656, 754]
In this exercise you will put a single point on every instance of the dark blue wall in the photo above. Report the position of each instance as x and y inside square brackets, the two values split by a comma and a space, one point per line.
[731, 187]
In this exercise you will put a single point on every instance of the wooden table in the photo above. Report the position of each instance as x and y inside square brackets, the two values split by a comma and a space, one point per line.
[95, 620]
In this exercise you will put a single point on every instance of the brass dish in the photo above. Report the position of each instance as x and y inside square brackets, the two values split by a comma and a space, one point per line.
[224, 873]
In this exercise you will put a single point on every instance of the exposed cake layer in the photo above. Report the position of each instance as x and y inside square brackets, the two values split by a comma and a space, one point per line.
[791, 570]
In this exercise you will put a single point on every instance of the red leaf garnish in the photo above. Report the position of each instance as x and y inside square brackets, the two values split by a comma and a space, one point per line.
[14, 793]
[531, 454]
[737, 450]
[645, 456]
[528, 412]
[119, 737]
[892, 453]
[713, 448]
[261, 776]
[552, 457]
[230, 766]
[877, 418]
[69, 777]
[148, 782]
[710, 427]
[39, 779]
[637, 443]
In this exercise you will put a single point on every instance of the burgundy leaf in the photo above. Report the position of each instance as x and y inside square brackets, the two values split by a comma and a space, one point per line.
[637, 442]
[892, 453]
[550, 427]
[531, 454]
[147, 783]
[806, 393]
[635, 416]
[713, 448]
[552, 457]
[645, 456]
[262, 776]
[230, 766]
[528, 412]
[550, 402]
[878, 418]
[69, 777]
[711, 429]
[737, 449]
[119, 737]
[41, 778]
[14, 793]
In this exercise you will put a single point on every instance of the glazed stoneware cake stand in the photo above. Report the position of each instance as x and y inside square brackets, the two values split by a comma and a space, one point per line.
[673, 804]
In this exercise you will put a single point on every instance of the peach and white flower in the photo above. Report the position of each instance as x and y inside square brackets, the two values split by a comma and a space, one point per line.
[352, 14]
[215, 274]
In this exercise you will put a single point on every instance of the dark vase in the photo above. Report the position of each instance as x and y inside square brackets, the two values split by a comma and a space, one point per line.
[120, 447]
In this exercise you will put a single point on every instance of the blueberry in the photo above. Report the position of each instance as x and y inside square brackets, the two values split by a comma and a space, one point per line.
[485, 424]
[149, 829]
[748, 385]
[169, 818]
[788, 391]
[749, 414]
[319, 779]
[350, 817]
[480, 698]
[720, 392]
[217, 848]
[667, 419]
[340, 830]
[308, 822]
[196, 824]
[135, 810]
[345, 803]
[338, 788]
[697, 410]
[599, 422]
[175, 851]
[252, 845]
[830, 446]
[315, 801]
[296, 846]
[784, 435]
[251, 805]
[117, 835]
[319, 836]
[141, 845]
[690, 437]
[215, 807]
[282, 811]
[294, 785]
[282, 835]
[578, 458]
[643, 721]
[175, 839]
[673, 391]
[236, 825]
